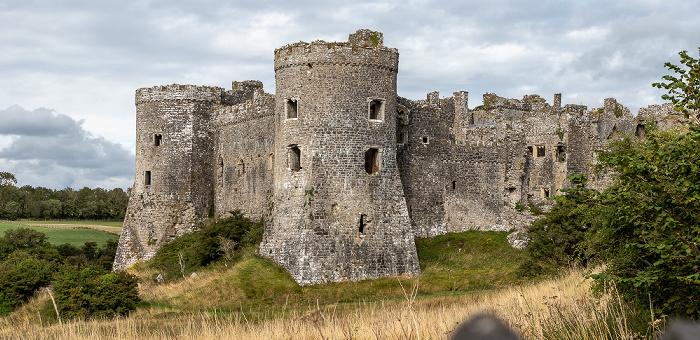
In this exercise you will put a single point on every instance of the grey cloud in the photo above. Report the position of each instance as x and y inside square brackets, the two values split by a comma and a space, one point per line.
[55, 150]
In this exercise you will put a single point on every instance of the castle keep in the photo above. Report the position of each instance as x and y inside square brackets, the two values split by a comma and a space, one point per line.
[345, 172]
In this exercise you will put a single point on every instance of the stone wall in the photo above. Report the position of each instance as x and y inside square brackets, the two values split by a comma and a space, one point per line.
[344, 172]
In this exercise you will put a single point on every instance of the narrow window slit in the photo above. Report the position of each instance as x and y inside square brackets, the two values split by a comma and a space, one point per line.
[147, 178]
[362, 223]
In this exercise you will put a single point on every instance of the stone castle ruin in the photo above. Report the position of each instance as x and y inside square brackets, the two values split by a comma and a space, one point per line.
[345, 172]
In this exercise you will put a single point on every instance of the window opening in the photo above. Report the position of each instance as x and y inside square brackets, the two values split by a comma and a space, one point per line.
[376, 107]
[157, 139]
[292, 108]
[425, 140]
[640, 132]
[270, 161]
[362, 223]
[511, 190]
[241, 168]
[529, 151]
[294, 158]
[545, 193]
[400, 131]
[372, 161]
[540, 151]
[454, 185]
[147, 178]
[561, 153]
[221, 171]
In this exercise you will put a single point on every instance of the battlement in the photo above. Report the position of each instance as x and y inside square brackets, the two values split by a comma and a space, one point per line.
[241, 91]
[363, 48]
[179, 92]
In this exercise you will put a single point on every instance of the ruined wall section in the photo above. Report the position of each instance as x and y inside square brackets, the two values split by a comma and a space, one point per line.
[174, 184]
[340, 212]
[244, 152]
[421, 162]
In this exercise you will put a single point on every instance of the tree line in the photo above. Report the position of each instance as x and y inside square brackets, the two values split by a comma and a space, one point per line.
[44, 203]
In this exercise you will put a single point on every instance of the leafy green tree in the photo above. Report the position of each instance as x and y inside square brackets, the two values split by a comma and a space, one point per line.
[651, 236]
[684, 88]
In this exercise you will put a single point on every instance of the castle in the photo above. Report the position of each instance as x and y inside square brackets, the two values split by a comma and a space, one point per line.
[344, 171]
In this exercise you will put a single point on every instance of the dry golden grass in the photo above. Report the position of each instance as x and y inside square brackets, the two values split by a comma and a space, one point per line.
[562, 308]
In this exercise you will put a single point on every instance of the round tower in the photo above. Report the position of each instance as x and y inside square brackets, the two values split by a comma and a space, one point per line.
[339, 210]
[173, 186]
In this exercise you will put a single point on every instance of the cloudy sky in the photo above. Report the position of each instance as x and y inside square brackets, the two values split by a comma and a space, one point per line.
[69, 69]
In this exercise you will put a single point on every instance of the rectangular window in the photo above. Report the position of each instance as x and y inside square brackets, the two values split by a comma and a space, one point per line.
[425, 140]
[157, 139]
[147, 178]
[540, 151]
[362, 223]
[294, 158]
[372, 161]
[376, 109]
[291, 108]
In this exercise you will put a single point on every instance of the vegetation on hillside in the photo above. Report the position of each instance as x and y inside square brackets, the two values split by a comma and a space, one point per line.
[84, 286]
[44, 203]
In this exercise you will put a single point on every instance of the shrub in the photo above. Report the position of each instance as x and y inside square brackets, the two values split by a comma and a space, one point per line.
[21, 275]
[192, 251]
[87, 293]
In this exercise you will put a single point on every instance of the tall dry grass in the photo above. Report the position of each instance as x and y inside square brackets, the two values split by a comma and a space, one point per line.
[562, 308]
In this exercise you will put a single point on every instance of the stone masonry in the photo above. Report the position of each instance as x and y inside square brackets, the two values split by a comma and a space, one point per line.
[344, 172]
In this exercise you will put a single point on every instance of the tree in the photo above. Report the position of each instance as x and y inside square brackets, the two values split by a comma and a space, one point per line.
[651, 235]
[7, 179]
[684, 89]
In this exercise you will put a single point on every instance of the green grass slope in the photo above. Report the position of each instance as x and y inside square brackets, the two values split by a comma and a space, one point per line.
[452, 264]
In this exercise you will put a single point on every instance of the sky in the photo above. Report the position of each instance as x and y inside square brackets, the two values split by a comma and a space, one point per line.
[69, 69]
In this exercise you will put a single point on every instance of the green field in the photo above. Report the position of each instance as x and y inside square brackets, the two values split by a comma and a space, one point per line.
[76, 237]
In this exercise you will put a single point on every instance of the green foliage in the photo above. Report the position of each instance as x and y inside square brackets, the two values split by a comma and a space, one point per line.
[651, 234]
[618, 110]
[375, 39]
[684, 88]
[28, 262]
[192, 251]
[22, 274]
[87, 293]
[559, 239]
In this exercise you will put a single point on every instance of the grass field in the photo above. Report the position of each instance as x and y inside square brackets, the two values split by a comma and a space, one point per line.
[66, 232]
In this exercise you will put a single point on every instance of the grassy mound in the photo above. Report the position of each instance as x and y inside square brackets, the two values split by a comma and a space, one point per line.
[452, 264]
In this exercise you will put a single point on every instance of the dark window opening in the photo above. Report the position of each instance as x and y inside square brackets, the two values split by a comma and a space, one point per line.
[362, 223]
[400, 131]
[147, 178]
[561, 153]
[376, 106]
[291, 108]
[540, 151]
[529, 151]
[294, 158]
[640, 132]
[425, 140]
[372, 161]
[511, 190]
[157, 139]
[545, 193]
[220, 172]
[454, 185]
[241, 168]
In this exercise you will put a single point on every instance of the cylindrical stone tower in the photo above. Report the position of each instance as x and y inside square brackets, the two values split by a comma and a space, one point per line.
[339, 209]
[173, 188]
